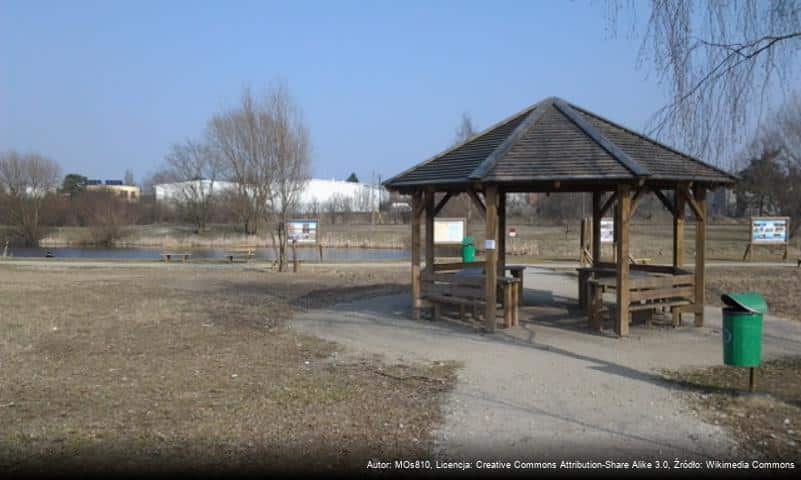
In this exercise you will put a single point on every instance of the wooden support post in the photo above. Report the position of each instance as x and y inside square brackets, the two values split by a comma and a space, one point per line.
[700, 253]
[491, 255]
[429, 209]
[622, 222]
[596, 228]
[678, 228]
[416, 287]
[501, 234]
[508, 298]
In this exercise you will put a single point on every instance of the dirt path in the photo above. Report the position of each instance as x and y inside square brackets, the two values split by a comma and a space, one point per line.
[545, 389]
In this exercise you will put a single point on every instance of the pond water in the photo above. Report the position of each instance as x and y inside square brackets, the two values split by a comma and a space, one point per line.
[329, 254]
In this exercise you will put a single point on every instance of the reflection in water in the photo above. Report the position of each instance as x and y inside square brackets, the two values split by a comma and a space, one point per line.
[332, 254]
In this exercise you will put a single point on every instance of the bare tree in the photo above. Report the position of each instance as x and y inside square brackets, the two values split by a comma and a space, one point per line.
[338, 205]
[196, 167]
[720, 62]
[265, 145]
[242, 136]
[290, 151]
[129, 177]
[107, 215]
[771, 181]
[28, 181]
[465, 132]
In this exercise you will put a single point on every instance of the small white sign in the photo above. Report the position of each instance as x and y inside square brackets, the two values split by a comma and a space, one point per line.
[512, 232]
[489, 244]
[607, 230]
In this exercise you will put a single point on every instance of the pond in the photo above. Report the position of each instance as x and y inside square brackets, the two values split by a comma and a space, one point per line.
[307, 254]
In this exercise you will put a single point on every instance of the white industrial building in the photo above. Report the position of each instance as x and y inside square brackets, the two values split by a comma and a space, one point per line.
[316, 195]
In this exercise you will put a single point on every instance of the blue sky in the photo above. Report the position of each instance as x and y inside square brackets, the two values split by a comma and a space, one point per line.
[105, 86]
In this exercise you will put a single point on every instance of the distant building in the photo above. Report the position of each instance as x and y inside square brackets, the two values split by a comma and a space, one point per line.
[360, 196]
[316, 195]
[177, 191]
[117, 187]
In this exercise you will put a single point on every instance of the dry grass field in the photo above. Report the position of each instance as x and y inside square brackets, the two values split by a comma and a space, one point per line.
[650, 239]
[137, 370]
[781, 287]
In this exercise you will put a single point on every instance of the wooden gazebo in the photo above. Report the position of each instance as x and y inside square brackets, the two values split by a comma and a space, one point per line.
[555, 146]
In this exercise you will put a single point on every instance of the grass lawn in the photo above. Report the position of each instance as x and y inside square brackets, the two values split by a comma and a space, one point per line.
[195, 370]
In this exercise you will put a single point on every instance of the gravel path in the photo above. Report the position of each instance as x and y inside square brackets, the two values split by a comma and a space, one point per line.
[550, 388]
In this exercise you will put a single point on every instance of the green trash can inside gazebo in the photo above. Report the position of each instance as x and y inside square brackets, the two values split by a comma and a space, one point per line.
[742, 330]
[468, 250]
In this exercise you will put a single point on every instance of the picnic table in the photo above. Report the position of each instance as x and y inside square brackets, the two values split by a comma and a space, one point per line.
[464, 286]
[167, 256]
[651, 289]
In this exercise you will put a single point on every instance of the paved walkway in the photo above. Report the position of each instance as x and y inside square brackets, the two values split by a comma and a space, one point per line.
[550, 388]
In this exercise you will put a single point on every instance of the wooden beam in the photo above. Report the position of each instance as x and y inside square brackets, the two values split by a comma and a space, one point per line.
[665, 200]
[417, 206]
[609, 202]
[442, 202]
[482, 209]
[678, 229]
[635, 200]
[491, 255]
[688, 197]
[700, 253]
[429, 208]
[596, 228]
[622, 222]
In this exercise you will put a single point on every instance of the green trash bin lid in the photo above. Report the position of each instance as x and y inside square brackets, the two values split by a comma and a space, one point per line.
[746, 302]
[467, 240]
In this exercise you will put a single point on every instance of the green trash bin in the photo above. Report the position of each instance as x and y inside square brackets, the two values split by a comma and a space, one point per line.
[742, 328]
[468, 250]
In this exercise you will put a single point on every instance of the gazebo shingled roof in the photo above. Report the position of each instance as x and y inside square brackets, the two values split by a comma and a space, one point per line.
[554, 140]
[555, 146]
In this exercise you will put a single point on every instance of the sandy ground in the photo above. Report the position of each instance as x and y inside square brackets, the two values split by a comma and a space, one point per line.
[549, 388]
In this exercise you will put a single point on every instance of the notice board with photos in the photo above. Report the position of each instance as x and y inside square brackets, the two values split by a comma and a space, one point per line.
[770, 230]
[449, 231]
[302, 231]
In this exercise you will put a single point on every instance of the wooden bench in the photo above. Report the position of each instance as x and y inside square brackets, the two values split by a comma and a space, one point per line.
[466, 290]
[243, 255]
[648, 292]
[166, 257]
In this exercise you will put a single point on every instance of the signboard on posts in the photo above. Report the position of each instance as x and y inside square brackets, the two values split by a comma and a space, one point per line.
[449, 231]
[770, 230]
[302, 231]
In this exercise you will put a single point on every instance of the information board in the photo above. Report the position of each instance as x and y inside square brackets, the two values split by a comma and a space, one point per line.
[448, 231]
[607, 230]
[302, 231]
[769, 230]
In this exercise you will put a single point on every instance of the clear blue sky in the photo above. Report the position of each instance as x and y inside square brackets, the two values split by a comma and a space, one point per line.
[105, 86]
